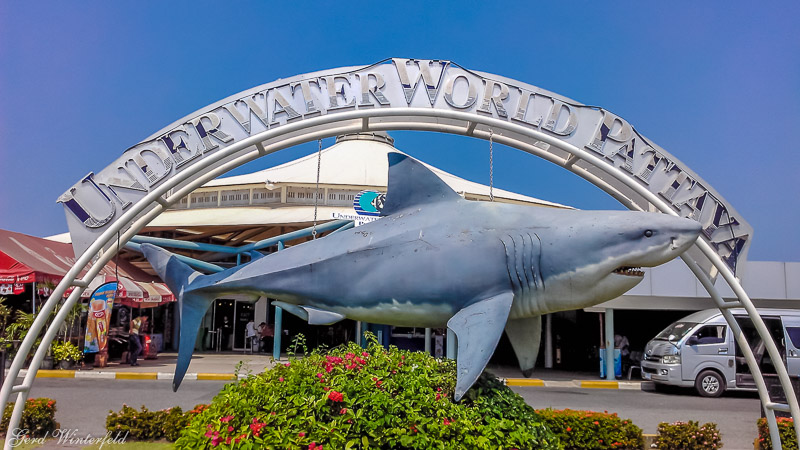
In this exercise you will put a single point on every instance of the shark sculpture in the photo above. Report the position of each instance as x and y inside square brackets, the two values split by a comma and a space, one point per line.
[436, 259]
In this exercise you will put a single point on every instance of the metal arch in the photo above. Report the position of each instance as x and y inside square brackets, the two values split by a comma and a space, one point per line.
[354, 121]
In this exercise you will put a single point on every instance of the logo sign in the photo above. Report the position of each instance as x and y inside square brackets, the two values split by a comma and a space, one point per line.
[369, 203]
[427, 90]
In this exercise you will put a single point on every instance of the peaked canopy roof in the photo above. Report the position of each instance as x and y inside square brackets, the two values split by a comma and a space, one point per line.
[358, 160]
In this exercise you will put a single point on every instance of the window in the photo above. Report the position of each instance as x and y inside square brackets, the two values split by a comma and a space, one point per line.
[711, 334]
[794, 335]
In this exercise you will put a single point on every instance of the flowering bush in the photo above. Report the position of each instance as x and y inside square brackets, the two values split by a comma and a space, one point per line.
[688, 436]
[38, 417]
[595, 430]
[349, 398]
[785, 429]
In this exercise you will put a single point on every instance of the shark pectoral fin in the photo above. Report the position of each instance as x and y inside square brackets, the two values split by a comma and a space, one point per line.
[478, 328]
[292, 309]
[314, 316]
[525, 336]
[318, 316]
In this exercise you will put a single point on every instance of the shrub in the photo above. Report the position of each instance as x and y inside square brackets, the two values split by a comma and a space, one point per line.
[140, 425]
[785, 429]
[688, 436]
[349, 398]
[595, 430]
[66, 351]
[149, 425]
[38, 417]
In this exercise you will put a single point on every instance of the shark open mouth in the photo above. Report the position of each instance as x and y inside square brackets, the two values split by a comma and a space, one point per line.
[629, 271]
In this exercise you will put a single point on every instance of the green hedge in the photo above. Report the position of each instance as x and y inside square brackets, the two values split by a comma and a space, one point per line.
[350, 398]
[592, 430]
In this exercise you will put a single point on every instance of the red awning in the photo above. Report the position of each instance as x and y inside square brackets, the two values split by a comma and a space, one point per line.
[28, 259]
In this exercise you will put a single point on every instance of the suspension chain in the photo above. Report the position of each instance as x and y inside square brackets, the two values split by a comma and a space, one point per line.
[316, 191]
[491, 165]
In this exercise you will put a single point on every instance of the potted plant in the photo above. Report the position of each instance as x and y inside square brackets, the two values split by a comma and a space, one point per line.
[66, 354]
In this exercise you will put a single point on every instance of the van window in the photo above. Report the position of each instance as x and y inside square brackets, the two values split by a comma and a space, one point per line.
[794, 335]
[711, 334]
[676, 331]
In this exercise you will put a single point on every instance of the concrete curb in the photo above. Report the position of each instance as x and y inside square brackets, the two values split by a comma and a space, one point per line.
[584, 384]
[129, 375]
[521, 382]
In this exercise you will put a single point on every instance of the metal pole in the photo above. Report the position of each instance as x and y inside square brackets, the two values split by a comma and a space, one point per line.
[278, 328]
[548, 341]
[358, 332]
[428, 341]
[609, 341]
[451, 345]
[33, 300]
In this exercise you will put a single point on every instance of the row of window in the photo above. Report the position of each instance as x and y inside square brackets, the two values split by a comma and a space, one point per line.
[262, 196]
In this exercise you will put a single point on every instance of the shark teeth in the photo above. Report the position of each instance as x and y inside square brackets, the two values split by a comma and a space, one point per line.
[630, 271]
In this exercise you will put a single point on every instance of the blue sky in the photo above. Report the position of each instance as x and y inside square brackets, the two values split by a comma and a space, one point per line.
[716, 84]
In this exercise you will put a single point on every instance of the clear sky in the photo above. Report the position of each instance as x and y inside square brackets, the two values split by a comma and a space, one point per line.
[717, 84]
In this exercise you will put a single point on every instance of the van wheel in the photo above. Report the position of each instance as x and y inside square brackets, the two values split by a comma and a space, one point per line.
[709, 384]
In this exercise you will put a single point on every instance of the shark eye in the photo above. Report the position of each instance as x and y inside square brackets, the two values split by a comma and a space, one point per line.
[648, 233]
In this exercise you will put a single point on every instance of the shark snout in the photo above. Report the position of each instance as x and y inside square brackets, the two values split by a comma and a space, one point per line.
[672, 236]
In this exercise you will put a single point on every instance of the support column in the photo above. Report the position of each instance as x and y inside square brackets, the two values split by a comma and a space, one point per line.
[428, 341]
[609, 342]
[278, 329]
[358, 333]
[452, 352]
[548, 341]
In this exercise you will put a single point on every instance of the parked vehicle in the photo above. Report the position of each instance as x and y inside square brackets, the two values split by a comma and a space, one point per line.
[699, 350]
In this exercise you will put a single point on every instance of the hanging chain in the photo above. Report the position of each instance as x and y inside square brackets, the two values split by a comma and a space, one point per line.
[316, 192]
[491, 165]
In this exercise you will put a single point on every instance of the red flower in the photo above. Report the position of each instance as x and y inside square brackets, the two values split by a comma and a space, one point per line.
[230, 428]
[226, 419]
[312, 446]
[364, 354]
[301, 434]
[446, 421]
[569, 429]
[343, 411]
[280, 379]
[596, 422]
[335, 396]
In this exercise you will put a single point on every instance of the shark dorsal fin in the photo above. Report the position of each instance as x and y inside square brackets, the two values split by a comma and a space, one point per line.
[411, 184]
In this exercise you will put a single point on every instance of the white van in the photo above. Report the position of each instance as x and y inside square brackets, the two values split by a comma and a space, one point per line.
[699, 350]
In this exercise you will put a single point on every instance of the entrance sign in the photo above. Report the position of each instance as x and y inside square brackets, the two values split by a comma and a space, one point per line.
[107, 209]
[426, 90]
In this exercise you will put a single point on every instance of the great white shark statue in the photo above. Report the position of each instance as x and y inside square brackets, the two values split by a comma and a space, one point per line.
[437, 260]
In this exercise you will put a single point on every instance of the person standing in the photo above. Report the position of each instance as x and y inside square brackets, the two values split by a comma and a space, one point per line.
[134, 342]
[252, 336]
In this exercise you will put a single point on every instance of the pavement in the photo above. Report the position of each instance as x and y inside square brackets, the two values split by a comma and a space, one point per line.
[225, 366]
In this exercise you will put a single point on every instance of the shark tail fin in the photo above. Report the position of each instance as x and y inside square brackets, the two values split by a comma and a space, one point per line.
[191, 306]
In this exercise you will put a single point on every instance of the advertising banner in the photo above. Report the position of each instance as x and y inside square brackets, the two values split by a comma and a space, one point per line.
[100, 305]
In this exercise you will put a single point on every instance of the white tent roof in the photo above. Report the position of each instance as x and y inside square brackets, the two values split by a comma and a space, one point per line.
[357, 163]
